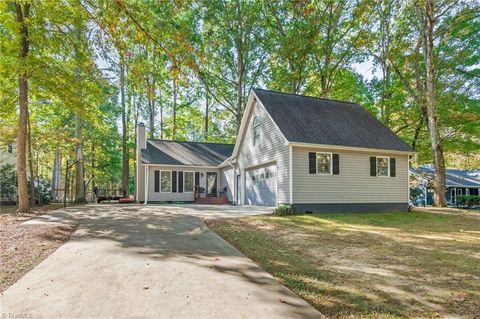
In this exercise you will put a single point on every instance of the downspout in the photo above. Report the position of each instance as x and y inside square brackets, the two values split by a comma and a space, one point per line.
[146, 183]
[290, 172]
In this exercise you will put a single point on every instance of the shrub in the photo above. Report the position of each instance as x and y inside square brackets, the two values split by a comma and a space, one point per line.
[43, 193]
[468, 200]
[8, 186]
[284, 210]
[8, 182]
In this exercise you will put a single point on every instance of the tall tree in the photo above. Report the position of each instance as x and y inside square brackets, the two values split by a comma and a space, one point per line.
[431, 105]
[22, 10]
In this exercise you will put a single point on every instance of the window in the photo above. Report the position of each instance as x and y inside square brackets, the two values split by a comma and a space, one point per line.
[324, 163]
[166, 181]
[383, 168]
[188, 182]
[10, 148]
[255, 133]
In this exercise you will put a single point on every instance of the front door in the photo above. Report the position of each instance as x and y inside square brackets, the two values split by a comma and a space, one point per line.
[211, 184]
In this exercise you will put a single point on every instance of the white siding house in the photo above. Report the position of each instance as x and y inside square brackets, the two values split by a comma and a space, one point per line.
[315, 154]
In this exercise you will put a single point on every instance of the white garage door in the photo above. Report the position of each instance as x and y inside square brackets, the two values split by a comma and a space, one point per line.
[261, 186]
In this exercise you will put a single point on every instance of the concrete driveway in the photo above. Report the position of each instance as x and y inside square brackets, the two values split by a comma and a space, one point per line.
[147, 261]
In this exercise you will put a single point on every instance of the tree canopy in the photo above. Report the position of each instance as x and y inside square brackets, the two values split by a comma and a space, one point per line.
[93, 69]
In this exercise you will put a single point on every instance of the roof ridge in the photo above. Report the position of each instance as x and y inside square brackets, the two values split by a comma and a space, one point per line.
[197, 142]
[308, 96]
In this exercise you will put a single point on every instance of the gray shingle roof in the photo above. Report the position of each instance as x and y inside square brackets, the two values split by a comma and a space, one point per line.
[454, 177]
[185, 153]
[314, 120]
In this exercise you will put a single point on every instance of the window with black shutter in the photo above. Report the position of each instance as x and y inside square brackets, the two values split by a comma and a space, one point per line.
[373, 166]
[174, 181]
[312, 163]
[336, 164]
[157, 182]
[393, 168]
[180, 182]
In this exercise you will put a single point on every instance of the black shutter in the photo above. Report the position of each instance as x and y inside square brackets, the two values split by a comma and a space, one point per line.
[174, 181]
[373, 166]
[197, 178]
[312, 163]
[393, 168]
[336, 164]
[157, 182]
[180, 182]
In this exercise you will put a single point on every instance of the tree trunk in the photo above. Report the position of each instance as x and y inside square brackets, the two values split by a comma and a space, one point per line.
[22, 12]
[79, 169]
[240, 67]
[30, 162]
[125, 174]
[151, 99]
[161, 113]
[174, 129]
[432, 117]
[92, 176]
[207, 110]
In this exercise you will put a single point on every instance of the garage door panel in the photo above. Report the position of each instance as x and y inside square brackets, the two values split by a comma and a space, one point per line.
[261, 186]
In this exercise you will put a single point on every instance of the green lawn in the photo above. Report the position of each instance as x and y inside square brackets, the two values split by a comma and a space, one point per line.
[388, 265]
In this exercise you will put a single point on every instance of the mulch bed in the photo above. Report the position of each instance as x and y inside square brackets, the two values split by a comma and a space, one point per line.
[22, 247]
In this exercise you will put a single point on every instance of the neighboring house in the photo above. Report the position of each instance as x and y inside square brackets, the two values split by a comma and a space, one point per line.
[8, 154]
[315, 154]
[457, 183]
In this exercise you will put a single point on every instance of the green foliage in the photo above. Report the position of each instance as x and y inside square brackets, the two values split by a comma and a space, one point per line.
[284, 210]
[43, 194]
[468, 200]
[8, 182]
[211, 53]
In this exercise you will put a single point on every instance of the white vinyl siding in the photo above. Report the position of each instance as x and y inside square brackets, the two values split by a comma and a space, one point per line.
[353, 185]
[271, 148]
[226, 179]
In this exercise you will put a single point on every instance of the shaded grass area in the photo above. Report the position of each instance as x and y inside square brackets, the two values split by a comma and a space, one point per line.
[388, 265]
[22, 247]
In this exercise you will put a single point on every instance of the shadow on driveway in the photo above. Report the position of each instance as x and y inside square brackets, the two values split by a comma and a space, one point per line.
[150, 261]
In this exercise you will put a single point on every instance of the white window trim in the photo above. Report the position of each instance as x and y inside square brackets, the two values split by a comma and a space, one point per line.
[254, 129]
[331, 163]
[193, 181]
[388, 166]
[161, 191]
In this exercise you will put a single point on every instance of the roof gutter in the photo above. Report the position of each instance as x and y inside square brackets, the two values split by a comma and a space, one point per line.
[350, 148]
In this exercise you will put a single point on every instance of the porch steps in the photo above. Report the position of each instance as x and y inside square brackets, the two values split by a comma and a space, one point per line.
[212, 200]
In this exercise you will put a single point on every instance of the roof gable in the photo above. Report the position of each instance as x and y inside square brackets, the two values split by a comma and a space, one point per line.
[185, 153]
[305, 119]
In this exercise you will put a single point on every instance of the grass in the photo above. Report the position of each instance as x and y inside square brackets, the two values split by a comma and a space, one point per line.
[390, 265]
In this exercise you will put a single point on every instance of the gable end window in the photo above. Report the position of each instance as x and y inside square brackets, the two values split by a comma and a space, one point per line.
[324, 163]
[383, 166]
[255, 130]
[165, 181]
